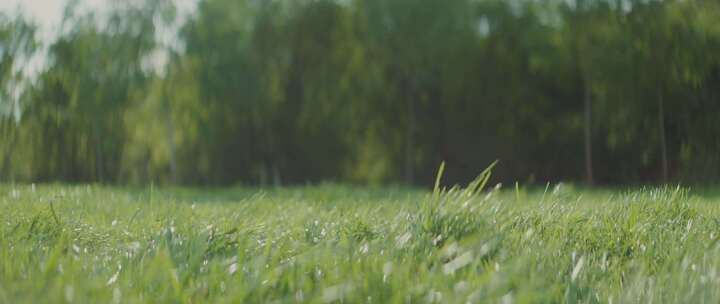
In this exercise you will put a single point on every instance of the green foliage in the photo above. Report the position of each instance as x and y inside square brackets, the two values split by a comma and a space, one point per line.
[17, 44]
[375, 91]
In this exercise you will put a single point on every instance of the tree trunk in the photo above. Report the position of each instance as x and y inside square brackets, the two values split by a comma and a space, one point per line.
[262, 174]
[98, 157]
[663, 141]
[409, 143]
[277, 182]
[588, 133]
[171, 138]
[7, 156]
[171, 142]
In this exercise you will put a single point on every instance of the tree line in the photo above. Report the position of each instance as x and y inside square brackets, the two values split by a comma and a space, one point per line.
[367, 91]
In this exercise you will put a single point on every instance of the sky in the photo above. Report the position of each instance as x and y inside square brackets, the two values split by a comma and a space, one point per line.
[47, 14]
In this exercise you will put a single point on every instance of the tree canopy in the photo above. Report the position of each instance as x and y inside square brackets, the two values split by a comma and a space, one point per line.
[270, 92]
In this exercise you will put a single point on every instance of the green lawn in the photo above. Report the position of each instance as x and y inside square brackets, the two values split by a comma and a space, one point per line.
[330, 243]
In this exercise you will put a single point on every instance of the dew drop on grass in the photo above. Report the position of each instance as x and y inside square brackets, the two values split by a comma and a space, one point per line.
[364, 248]
[69, 294]
[14, 194]
[113, 279]
[434, 297]
[336, 292]
[457, 263]
[403, 239]
[461, 287]
[529, 233]
[117, 296]
[578, 267]
[232, 268]
[507, 298]
[387, 271]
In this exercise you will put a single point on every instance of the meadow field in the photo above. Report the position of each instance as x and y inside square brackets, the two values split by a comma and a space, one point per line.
[139, 140]
[342, 244]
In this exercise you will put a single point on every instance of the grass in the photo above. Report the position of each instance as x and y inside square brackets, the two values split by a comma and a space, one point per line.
[332, 243]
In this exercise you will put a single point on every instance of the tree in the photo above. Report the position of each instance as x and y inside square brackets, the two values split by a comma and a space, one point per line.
[17, 46]
[95, 67]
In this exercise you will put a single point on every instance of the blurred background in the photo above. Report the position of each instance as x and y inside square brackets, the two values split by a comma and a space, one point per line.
[263, 92]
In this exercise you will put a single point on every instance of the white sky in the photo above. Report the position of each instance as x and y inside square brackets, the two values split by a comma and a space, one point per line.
[47, 14]
[49, 10]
